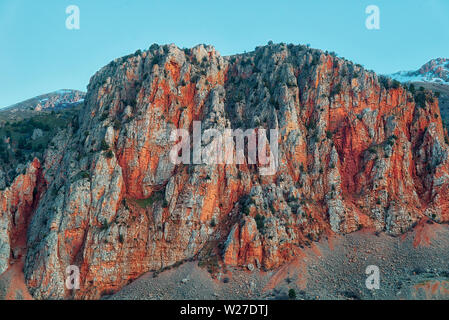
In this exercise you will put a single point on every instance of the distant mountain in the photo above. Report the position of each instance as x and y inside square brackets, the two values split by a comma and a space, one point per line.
[53, 101]
[58, 99]
[436, 71]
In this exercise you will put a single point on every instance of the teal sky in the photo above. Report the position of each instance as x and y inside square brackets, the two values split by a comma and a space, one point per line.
[39, 55]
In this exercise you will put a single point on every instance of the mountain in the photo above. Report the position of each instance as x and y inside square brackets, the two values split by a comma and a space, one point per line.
[356, 152]
[53, 101]
[435, 71]
[434, 76]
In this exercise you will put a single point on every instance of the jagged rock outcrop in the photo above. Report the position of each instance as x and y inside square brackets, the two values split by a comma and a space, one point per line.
[353, 153]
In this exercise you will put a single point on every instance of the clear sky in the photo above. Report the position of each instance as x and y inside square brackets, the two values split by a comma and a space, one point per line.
[38, 54]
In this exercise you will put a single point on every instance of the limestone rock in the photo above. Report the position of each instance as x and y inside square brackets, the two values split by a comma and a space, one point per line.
[354, 152]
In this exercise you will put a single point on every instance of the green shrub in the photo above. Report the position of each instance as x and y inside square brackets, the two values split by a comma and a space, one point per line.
[292, 294]
[109, 154]
[336, 89]
[260, 222]
[245, 210]
[104, 116]
[384, 82]
[117, 125]
[4, 156]
[84, 175]
[156, 196]
[315, 60]
[391, 140]
[311, 125]
[420, 99]
[396, 84]
[104, 146]
[104, 225]
[19, 154]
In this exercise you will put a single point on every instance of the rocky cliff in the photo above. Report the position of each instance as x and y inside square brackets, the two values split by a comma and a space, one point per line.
[355, 151]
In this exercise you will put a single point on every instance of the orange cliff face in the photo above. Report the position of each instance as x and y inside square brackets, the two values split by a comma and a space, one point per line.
[17, 203]
[355, 151]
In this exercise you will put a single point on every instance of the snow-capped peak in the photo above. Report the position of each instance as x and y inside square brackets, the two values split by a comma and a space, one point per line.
[436, 70]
